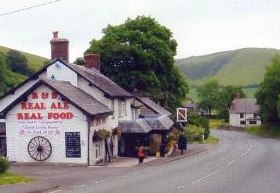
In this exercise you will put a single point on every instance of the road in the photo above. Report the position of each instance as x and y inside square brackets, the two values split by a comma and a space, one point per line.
[240, 164]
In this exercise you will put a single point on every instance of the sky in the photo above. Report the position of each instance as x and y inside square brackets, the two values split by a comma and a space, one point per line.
[200, 27]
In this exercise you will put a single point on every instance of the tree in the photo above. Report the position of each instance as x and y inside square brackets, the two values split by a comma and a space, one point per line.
[139, 54]
[225, 98]
[268, 93]
[208, 94]
[17, 62]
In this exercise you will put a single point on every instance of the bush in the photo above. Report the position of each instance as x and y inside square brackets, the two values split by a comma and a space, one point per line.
[4, 164]
[195, 119]
[194, 133]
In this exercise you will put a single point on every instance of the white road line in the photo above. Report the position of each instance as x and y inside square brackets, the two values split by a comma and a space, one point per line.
[207, 176]
[98, 182]
[55, 191]
[78, 186]
[232, 161]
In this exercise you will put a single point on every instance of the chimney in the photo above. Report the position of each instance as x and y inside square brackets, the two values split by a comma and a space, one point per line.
[59, 48]
[92, 61]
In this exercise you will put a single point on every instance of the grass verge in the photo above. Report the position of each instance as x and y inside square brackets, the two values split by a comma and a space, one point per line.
[265, 131]
[212, 140]
[9, 178]
[215, 123]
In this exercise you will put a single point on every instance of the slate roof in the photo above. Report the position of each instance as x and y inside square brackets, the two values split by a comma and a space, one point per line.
[160, 123]
[146, 125]
[154, 106]
[244, 105]
[77, 97]
[134, 126]
[101, 81]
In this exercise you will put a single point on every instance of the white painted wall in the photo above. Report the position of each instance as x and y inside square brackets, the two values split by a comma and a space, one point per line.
[234, 119]
[61, 72]
[20, 132]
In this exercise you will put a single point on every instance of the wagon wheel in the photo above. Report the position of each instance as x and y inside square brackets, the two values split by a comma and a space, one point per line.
[39, 148]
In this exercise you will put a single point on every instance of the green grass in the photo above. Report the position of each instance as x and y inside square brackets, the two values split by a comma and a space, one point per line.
[236, 67]
[250, 91]
[265, 131]
[214, 123]
[34, 62]
[8, 178]
[212, 140]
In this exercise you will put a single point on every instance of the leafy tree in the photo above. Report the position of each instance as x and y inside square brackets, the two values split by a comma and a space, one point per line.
[139, 54]
[80, 61]
[225, 98]
[17, 62]
[268, 93]
[208, 95]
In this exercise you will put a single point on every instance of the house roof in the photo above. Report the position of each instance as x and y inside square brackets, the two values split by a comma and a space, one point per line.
[160, 123]
[77, 97]
[244, 105]
[147, 124]
[101, 81]
[134, 126]
[154, 106]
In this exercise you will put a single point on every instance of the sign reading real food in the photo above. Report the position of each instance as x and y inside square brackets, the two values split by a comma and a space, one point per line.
[43, 114]
[42, 105]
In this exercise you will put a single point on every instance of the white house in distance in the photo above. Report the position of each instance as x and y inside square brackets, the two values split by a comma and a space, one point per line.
[244, 112]
[53, 116]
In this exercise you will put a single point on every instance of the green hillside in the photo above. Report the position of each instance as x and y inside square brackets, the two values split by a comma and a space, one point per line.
[10, 78]
[240, 67]
[34, 62]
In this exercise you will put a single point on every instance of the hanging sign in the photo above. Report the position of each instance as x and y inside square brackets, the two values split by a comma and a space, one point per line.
[181, 114]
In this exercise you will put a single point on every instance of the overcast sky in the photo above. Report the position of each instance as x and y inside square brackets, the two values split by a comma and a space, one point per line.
[199, 26]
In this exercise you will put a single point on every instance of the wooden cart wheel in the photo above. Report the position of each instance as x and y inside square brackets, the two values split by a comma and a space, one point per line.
[39, 148]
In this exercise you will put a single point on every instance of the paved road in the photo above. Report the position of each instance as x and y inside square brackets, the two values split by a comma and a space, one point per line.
[241, 164]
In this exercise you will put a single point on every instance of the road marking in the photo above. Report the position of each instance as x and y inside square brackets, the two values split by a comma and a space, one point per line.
[249, 148]
[78, 186]
[180, 187]
[232, 161]
[207, 176]
[55, 191]
[98, 182]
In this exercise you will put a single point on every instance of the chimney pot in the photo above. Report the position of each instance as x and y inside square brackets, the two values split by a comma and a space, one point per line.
[55, 34]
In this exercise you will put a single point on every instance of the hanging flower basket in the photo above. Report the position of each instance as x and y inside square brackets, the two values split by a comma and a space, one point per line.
[116, 131]
[101, 134]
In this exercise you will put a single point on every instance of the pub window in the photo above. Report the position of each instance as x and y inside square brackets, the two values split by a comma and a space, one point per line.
[113, 108]
[73, 144]
[243, 122]
[2, 128]
[122, 108]
[97, 150]
[255, 115]
[241, 115]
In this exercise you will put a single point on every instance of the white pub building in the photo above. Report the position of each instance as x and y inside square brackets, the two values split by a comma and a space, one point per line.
[56, 114]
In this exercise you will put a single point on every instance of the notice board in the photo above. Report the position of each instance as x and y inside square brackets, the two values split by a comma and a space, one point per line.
[73, 144]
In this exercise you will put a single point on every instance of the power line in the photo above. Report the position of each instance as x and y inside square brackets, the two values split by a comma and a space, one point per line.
[31, 7]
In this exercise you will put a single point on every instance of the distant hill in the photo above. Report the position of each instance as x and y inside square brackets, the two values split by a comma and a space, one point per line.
[34, 62]
[9, 78]
[242, 67]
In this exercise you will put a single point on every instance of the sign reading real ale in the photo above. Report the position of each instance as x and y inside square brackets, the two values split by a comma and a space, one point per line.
[41, 105]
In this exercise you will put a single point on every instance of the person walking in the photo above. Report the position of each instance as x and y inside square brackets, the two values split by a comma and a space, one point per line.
[140, 154]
